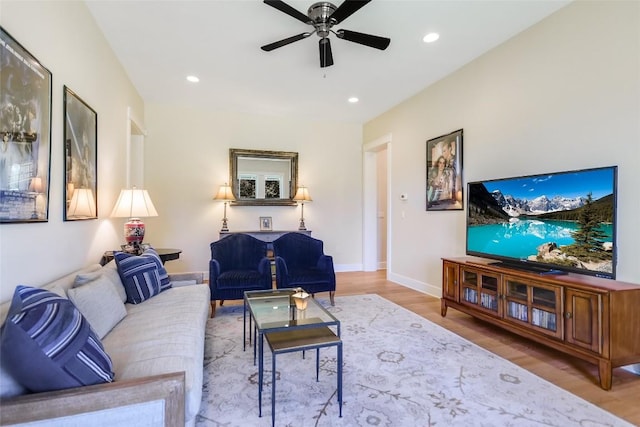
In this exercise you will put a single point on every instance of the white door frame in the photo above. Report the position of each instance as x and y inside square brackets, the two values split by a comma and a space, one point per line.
[370, 208]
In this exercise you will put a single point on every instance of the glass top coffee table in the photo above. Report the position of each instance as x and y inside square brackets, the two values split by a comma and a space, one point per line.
[275, 311]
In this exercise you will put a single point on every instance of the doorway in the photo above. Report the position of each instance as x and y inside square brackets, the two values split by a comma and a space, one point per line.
[377, 220]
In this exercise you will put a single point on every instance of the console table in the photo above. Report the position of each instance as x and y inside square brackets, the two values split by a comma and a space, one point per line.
[587, 317]
[265, 236]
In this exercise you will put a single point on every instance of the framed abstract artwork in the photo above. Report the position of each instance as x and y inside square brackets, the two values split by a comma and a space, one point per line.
[80, 153]
[444, 172]
[25, 129]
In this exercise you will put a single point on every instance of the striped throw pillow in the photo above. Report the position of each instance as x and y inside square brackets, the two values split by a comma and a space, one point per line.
[140, 276]
[165, 283]
[48, 345]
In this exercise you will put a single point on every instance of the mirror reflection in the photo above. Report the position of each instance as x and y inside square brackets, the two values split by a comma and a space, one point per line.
[260, 177]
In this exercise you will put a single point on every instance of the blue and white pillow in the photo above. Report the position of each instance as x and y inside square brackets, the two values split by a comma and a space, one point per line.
[165, 283]
[140, 276]
[48, 345]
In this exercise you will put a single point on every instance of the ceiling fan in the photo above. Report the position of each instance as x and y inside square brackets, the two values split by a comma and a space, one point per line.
[323, 16]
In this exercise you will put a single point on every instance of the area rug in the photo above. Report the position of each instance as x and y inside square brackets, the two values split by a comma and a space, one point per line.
[399, 370]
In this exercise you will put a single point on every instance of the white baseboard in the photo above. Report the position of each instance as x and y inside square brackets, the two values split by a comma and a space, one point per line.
[434, 291]
[341, 268]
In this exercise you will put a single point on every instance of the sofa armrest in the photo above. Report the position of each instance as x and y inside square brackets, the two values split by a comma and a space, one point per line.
[187, 278]
[169, 388]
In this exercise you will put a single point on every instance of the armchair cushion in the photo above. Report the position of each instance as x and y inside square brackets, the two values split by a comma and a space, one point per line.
[238, 278]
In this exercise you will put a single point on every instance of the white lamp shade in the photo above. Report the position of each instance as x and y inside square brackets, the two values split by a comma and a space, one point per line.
[83, 204]
[225, 193]
[134, 203]
[302, 195]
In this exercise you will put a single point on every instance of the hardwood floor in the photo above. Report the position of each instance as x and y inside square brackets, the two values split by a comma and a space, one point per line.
[571, 374]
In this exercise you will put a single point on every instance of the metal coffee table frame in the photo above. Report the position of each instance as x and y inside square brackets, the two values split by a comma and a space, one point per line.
[273, 311]
[302, 340]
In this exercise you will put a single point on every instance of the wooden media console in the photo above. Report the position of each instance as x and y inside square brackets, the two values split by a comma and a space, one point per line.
[594, 319]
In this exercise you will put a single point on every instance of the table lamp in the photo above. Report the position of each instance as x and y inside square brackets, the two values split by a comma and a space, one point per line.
[302, 195]
[82, 204]
[226, 195]
[134, 204]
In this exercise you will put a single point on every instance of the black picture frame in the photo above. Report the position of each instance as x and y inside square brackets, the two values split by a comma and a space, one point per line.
[81, 158]
[25, 134]
[444, 172]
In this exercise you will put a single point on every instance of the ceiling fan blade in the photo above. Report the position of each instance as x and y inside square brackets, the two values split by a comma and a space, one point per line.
[283, 7]
[366, 39]
[346, 9]
[271, 46]
[326, 58]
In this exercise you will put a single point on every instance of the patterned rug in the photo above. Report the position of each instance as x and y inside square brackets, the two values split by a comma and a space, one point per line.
[399, 370]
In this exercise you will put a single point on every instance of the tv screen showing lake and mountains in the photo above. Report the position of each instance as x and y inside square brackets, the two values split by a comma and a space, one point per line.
[565, 219]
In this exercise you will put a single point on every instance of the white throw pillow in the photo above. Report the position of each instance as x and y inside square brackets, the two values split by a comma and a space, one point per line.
[108, 271]
[98, 302]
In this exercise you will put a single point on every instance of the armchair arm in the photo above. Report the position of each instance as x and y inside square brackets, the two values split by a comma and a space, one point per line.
[82, 401]
[325, 263]
[264, 267]
[282, 273]
[214, 272]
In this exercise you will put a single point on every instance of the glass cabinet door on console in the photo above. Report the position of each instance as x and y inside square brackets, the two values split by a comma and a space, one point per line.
[535, 304]
[480, 289]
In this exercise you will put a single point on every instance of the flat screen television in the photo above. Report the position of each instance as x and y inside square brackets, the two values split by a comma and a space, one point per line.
[550, 223]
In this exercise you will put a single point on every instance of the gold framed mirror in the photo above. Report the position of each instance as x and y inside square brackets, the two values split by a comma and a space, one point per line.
[263, 178]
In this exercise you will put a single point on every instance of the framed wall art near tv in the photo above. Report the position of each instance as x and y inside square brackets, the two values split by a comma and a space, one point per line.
[80, 153]
[444, 172]
[25, 130]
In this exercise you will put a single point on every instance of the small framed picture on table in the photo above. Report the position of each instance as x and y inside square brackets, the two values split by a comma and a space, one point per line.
[265, 223]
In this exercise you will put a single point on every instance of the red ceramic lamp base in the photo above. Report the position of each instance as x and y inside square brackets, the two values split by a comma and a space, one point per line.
[134, 231]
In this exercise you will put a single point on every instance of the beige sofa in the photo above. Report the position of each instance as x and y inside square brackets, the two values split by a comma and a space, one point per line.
[157, 353]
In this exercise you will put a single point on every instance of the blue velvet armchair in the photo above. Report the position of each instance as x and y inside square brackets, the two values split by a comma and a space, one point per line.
[301, 262]
[238, 264]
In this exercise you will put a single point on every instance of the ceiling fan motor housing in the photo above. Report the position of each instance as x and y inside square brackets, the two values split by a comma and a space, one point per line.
[320, 14]
[323, 16]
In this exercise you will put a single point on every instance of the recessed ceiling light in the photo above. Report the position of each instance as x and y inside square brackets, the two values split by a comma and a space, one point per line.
[431, 37]
[193, 79]
[353, 100]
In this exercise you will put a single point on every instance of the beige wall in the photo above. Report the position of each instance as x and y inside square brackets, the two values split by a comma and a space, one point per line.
[64, 38]
[563, 95]
[187, 159]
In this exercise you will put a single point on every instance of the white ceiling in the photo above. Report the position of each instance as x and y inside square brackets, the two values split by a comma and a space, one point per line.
[160, 42]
